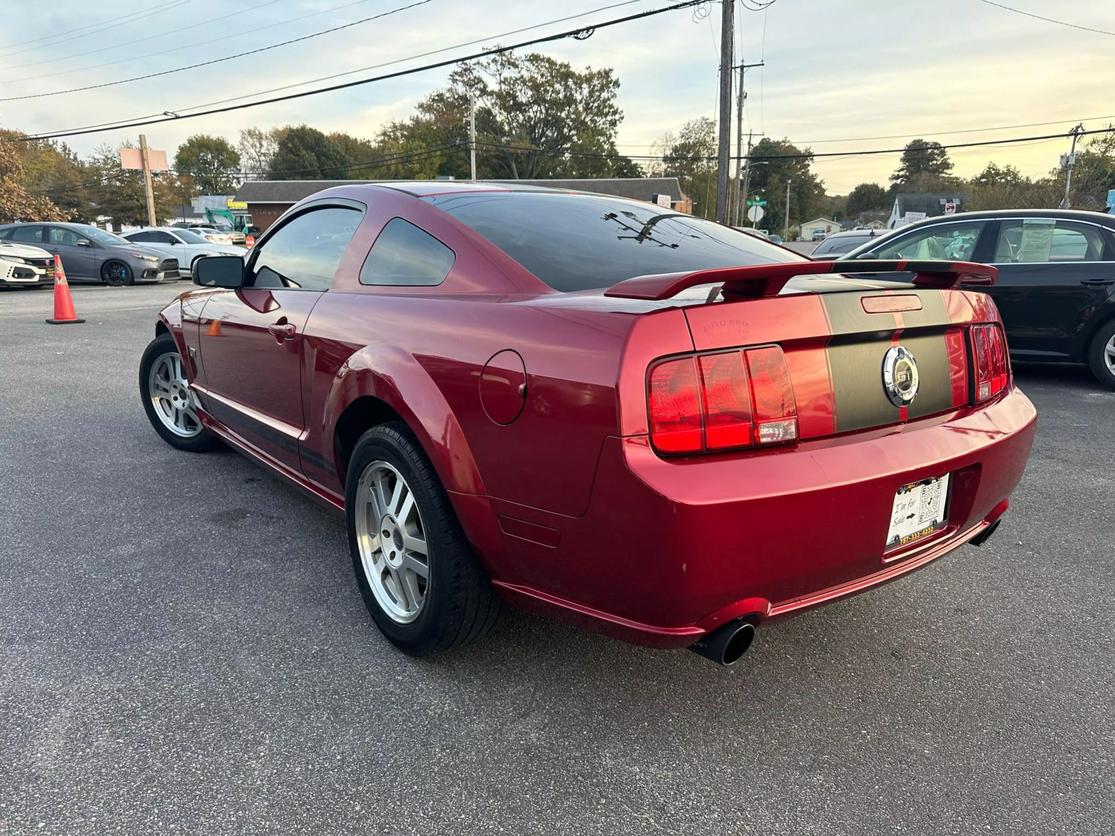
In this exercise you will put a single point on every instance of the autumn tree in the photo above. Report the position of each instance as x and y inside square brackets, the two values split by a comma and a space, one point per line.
[257, 147]
[17, 202]
[211, 163]
[690, 155]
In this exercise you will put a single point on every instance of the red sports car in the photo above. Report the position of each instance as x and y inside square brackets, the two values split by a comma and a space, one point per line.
[633, 419]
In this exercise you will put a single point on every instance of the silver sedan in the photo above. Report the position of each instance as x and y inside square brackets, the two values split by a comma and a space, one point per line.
[183, 244]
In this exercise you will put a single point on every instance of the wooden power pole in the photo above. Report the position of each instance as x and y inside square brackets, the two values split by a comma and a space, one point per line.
[723, 151]
[148, 189]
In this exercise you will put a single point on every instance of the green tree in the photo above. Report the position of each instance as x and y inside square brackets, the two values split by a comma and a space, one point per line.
[118, 193]
[920, 158]
[690, 155]
[1094, 173]
[867, 197]
[211, 163]
[257, 148]
[776, 162]
[305, 153]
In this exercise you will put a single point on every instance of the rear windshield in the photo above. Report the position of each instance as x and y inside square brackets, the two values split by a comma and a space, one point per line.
[579, 242]
[834, 246]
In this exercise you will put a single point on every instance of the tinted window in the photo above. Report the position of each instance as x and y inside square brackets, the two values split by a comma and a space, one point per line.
[305, 252]
[943, 242]
[1035, 240]
[188, 236]
[28, 234]
[139, 237]
[405, 255]
[836, 246]
[577, 242]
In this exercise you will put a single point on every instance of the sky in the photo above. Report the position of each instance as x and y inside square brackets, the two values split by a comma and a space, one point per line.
[839, 75]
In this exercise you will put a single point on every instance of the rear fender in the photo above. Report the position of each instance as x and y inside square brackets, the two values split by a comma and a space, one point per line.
[399, 380]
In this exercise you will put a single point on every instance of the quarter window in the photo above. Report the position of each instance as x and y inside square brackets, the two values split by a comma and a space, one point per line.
[1040, 240]
[947, 242]
[28, 234]
[305, 252]
[405, 255]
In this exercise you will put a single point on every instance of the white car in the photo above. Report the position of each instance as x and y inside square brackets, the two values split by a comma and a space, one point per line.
[22, 265]
[209, 232]
[187, 245]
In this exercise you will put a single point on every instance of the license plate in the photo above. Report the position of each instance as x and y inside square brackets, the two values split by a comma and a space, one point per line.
[918, 511]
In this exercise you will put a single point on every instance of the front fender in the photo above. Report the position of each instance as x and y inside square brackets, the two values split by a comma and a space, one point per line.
[397, 378]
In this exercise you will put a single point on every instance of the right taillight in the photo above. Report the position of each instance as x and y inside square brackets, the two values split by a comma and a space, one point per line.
[989, 356]
[721, 401]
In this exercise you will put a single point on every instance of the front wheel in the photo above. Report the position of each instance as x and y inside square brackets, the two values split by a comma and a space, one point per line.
[170, 405]
[416, 571]
[1101, 355]
[116, 273]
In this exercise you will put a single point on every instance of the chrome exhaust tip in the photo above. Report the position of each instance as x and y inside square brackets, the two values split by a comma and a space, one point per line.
[725, 645]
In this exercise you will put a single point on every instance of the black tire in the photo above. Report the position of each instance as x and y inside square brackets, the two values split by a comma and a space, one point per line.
[460, 604]
[204, 440]
[1096, 350]
[116, 273]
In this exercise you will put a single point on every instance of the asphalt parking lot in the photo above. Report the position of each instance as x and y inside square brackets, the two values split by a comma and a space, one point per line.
[183, 649]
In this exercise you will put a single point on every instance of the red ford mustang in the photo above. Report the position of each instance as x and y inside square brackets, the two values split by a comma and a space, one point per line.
[636, 420]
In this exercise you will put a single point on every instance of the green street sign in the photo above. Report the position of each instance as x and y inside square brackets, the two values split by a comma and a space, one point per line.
[756, 201]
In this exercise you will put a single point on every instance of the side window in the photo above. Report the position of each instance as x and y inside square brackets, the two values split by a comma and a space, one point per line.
[140, 237]
[405, 255]
[162, 238]
[1040, 240]
[956, 242]
[28, 234]
[305, 252]
[63, 237]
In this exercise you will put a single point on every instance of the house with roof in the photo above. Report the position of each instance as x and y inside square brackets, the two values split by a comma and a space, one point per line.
[818, 228]
[917, 206]
[268, 199]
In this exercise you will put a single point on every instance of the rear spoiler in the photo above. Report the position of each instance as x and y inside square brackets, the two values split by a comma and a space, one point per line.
[759, 280]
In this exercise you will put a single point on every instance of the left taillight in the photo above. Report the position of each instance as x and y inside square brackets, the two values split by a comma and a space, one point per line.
[721, 401]
[992, 365]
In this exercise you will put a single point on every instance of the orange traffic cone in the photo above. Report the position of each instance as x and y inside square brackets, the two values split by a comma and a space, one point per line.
[64, 313]
[214, 329]
[249, 240]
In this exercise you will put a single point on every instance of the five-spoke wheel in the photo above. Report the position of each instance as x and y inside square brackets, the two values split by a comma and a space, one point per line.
[170, 404]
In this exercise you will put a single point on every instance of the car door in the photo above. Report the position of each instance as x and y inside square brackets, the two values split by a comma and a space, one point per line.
[1053, 274]
[251, 339]
[77, 251]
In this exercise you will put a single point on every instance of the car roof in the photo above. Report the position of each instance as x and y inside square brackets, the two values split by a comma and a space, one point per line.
[850, 233]
[996, 214]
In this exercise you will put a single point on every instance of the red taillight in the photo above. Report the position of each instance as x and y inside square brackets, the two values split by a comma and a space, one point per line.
[992, 367]
[958, 365]
[721, 401]
[675, 406]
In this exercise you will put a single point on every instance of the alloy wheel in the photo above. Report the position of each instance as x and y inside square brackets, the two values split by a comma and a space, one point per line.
[171, 396]
[392, 542]
[1109, 355]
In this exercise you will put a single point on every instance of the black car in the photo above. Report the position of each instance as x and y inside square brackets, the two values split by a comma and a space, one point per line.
[1056, 286]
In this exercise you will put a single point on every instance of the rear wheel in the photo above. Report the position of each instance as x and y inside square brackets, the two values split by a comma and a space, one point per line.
[1101, 354]
[417, 574]
[116, 273]
[167, 399]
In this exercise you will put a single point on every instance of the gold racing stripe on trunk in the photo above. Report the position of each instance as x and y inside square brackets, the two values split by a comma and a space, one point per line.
[856, 350]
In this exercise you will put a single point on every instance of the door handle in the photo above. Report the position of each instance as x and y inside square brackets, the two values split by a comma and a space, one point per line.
[282, 330]
[1097, 282]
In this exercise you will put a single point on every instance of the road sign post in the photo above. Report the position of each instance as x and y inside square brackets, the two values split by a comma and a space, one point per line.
[755, 213]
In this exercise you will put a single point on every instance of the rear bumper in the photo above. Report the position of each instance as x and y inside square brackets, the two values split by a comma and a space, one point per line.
[669, 550]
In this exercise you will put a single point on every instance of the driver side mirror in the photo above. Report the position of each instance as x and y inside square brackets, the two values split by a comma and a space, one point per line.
[81, 242]
[225, 271]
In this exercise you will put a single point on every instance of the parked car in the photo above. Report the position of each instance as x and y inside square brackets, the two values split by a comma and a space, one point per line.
[818, 235]
[575, 403]
[1056, 286]
[209, 232]
[774, 238]
[753, 230]
[185, 245]
[839, 243]
[25, 266]
[90, 254]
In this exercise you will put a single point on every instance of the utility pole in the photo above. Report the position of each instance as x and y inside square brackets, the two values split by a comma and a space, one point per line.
[786, 223]
[1069, 161]
[147, 187]
[472, 137]
[727, 30]
[746, 183]
[737, 214]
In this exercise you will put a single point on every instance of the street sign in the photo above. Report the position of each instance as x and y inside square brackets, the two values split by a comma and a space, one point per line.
[756, 201]
[755, 213]
[950, 208]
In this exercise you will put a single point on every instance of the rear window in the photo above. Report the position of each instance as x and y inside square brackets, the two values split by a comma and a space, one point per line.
[580, 242]
[837, 246]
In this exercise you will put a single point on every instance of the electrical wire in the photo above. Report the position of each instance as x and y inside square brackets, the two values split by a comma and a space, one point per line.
[212, 61]
[181, 112]
[91, 28]
[1047, 19]
[172, 116]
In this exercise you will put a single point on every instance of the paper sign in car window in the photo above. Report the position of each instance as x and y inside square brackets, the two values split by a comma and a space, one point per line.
[1037, 240]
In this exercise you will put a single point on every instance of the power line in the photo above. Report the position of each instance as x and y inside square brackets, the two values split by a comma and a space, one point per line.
[359, 82]
[181, 111]
[299, 39]
[149, 38]
[1047, 19]
[94, 28]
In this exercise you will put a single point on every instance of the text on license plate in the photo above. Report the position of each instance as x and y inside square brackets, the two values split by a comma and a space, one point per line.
[918, 511]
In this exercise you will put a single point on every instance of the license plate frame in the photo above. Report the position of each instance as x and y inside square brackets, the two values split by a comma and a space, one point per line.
[919, 510]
